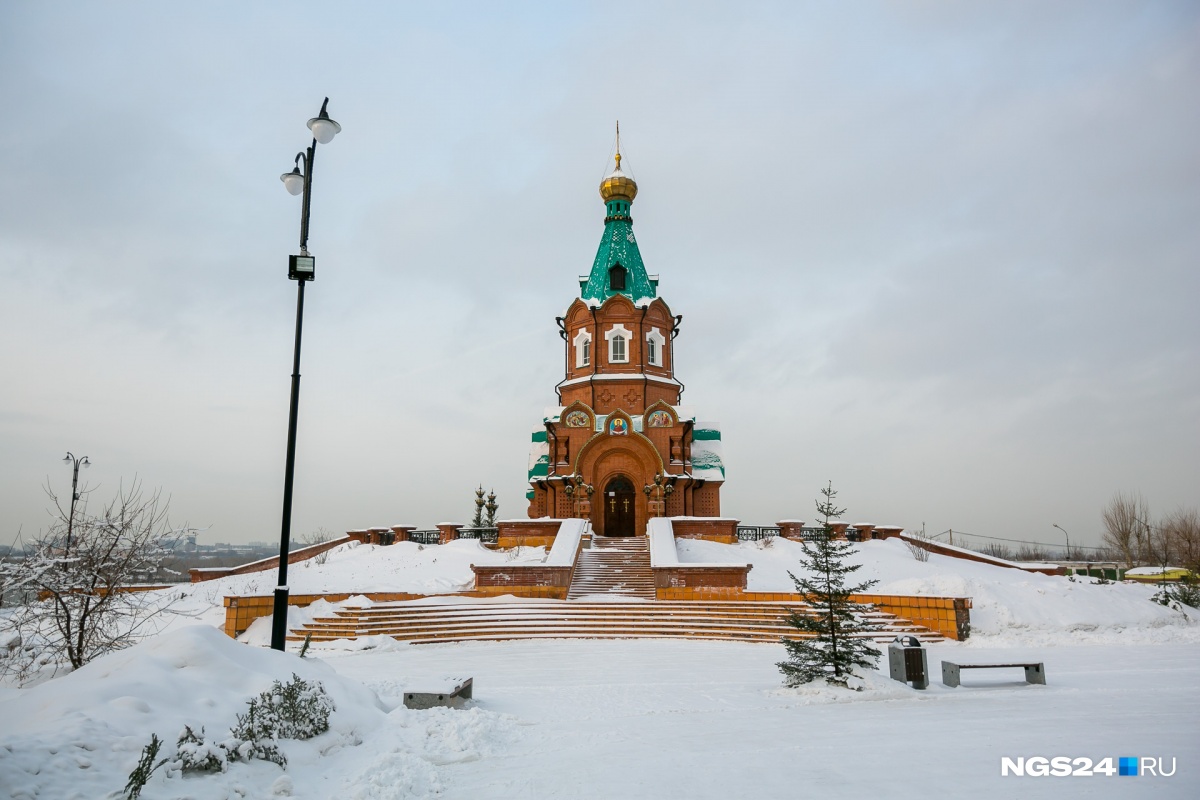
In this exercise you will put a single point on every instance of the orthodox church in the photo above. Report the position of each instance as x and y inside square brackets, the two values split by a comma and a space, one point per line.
[618, 448]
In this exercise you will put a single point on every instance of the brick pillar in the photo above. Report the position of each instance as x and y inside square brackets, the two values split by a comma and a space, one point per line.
[886, 531]
[363, 536]
[402, 532]
[839, 529]
[962, 617]
[377, 535]
[864, 531]
[790, 529]
[449, 531]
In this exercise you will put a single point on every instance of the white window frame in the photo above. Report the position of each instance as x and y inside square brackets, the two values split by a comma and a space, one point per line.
[626, 337]
[583, 341]
[656, 345]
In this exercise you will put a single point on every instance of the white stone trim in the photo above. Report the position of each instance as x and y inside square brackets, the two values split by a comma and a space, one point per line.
[580, 339]
[622, 376]
[610, 335]
[654, 355]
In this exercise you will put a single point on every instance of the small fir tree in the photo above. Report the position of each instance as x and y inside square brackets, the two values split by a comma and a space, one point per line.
[477, 520]
[834, 644]
[145, 768]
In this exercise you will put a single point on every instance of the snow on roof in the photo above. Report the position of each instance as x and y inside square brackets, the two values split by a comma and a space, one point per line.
[707, 463]
[1155, 570]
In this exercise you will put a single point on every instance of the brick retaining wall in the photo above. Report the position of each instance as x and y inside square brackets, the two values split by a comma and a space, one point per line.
[526, 533]
[714, 529]
[201, 574]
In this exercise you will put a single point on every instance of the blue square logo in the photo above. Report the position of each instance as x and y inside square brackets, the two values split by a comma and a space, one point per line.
[1129, 765]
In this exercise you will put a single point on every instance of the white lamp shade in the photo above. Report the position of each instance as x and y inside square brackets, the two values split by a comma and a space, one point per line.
[293, 182]
[323, 129]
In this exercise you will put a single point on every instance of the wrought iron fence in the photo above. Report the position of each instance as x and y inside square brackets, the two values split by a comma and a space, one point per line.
[425, 537]
[484, 535]
[755, 533]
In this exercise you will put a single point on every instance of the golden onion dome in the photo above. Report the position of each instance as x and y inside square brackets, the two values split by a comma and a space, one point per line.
[618, 185]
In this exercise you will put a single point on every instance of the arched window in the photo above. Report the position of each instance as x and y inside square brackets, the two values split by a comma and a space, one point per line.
[616, 278]
[618, 349]
[618, 337]
[583, 349]
[656, 343]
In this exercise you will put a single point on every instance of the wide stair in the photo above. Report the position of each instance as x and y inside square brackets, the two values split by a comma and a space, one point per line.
[421, 622]
[614, 565]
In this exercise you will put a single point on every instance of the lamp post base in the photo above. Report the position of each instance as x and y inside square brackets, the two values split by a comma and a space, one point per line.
[279, 618]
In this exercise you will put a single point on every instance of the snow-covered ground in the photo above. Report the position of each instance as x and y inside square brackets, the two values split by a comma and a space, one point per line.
[402, 567]
[643, 718]
[1009, 606]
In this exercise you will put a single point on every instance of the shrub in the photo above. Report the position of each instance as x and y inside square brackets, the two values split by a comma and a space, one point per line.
[144, 769]
[295, 710]
[1186, 593]
[194, 754]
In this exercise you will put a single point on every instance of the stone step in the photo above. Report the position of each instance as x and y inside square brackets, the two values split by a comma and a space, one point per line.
[764, 622]
[614, 566]
[576, 626]
[538, 632]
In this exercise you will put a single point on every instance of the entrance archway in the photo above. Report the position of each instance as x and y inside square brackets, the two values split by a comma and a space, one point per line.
[619, 504]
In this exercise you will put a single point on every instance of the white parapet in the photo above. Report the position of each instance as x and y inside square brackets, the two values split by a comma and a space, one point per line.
[566, 543]
[662, 543]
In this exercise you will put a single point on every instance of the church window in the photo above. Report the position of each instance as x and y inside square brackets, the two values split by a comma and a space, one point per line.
[655, 344]
[618, 337]
[583, 349]
[618, 349]
[616, 278]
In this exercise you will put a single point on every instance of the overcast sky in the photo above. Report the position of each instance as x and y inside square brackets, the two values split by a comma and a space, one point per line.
[945, 255]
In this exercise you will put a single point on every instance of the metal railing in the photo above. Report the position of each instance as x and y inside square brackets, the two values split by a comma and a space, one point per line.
[425, 537]
[484, 535]
[755, 533]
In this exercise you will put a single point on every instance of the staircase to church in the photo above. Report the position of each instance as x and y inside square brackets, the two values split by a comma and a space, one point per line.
[423, 622]
[614, 565]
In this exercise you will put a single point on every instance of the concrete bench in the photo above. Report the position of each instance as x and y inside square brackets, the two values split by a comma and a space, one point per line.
[454, 698]
[1034, 672]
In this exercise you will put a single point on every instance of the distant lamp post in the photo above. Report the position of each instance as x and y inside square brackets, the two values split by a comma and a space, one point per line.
[301, 268]
[76, 464]
[1068, 537]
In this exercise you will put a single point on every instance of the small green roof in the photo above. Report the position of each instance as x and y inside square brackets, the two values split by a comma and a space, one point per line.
[618, 246]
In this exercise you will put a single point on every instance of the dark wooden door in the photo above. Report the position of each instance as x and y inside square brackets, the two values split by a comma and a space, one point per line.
[618, 507]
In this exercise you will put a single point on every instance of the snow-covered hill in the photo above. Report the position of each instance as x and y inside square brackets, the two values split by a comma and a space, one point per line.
[1009, 605]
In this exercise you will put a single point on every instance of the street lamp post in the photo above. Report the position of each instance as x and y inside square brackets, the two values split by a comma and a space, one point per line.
[77, 463]
[301, 268]
[1068, 537]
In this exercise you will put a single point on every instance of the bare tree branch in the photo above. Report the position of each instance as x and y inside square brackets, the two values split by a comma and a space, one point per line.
[81, 604]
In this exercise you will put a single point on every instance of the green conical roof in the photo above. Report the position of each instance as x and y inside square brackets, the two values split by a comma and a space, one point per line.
[618, 246]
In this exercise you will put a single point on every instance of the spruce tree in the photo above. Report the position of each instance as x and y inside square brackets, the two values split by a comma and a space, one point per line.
[834, 643]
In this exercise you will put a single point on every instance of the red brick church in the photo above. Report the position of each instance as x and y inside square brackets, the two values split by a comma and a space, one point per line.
[618, 448]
